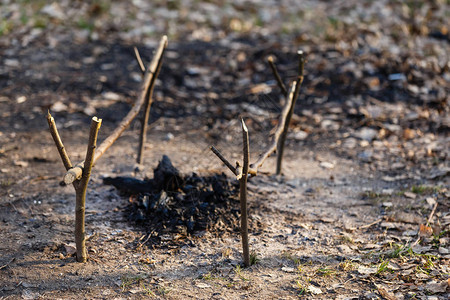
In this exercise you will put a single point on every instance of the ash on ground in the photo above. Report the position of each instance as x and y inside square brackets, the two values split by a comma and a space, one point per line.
[174, 204]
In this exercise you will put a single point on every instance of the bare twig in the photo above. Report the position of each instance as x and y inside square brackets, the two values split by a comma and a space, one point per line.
[155, 67]
[58, 142]
[430, 217]
[432, 213]
[78, 169]
[139, 60]
[80, 190]
[281, 142]
[7, 264]
[243, 196]
[277, 140]
[224, 160]
[279, 129]
[370, 224]
[284, 91]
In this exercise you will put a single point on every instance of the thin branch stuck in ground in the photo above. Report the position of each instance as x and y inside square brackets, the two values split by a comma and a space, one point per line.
[282, 140]
[243, 195]
[80, 190]
[154, 68]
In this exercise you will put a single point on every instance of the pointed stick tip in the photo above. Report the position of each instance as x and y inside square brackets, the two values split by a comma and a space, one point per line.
[49, 116]
[244, 127]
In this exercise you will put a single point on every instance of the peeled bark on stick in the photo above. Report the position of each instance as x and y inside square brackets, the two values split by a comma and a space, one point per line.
[76, 172]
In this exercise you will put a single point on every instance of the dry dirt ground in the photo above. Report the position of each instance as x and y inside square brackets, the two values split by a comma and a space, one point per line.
[361, 210]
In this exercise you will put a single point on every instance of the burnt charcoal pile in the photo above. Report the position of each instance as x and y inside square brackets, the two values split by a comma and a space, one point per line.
[172, 203]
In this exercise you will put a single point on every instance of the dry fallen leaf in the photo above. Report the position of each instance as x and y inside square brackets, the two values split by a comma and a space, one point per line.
[437, 287]
[366, 270]
[386, 294]
[70, 249]
[425, 231]
[410, 195]
[202, 285]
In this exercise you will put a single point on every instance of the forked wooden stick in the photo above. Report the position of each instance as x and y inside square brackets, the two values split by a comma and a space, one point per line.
[272, 147]
[278, 139]
[79, 186]
[76, 172]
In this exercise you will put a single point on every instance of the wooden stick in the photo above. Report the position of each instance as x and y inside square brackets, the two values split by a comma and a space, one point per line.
[155, 67]
[58, 142]
[280, 145]
[224, 160]
[139, 60]
[80, 190]
[284, 91]
[279, 129]
[278, 139]
[75, 172]
[370, 224]
[7, 264]
[432, 213]
[243, 196]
